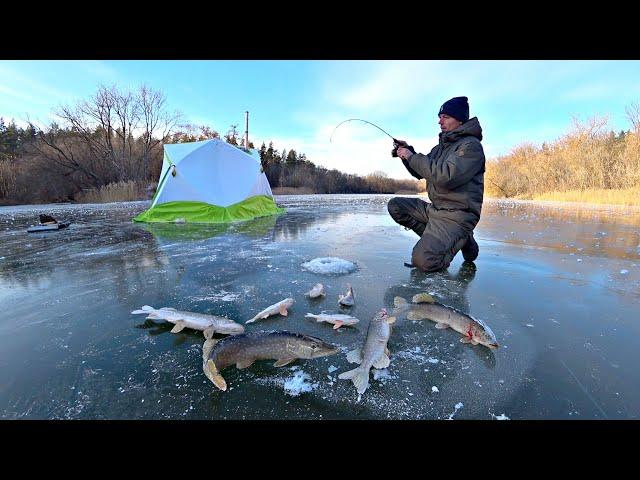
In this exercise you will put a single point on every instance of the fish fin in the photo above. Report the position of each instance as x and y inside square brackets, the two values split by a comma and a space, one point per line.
[310, 315]
[284, 361]
[359, 376]
[245, 363]
[354, 356]
[208, 333]
[465, 340]
[473, 342]
[212, 374]
[423, 298]
[337, 325]
[441, 326]
[398, 301]
[207, 346]
[382, 362]
[144, 309]
[180, 324]
[282, 309]
[251, 320]
[414, 316]
[387, 352]
[391, 320]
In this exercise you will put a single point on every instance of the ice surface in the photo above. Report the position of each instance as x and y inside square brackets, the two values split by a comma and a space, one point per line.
[69, 347]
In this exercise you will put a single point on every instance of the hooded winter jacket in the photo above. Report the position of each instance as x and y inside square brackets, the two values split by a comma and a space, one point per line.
[454, 169]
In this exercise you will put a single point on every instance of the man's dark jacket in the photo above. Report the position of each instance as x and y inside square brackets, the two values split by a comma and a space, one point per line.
[454, 169]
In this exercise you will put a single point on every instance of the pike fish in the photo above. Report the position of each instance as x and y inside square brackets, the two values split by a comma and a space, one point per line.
[280, 307]
[374, 352]
[208, 324]
[337, 319]
[348, 299]
[242, 350]
[316, 291]
[475, 331]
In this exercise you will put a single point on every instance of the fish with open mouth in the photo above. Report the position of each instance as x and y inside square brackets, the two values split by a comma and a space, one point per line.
[276, 308]
[316, 291]
[243, 350]
[347, 300]
[475, 331]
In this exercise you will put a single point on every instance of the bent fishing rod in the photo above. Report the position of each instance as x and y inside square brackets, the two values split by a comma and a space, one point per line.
[395, 141]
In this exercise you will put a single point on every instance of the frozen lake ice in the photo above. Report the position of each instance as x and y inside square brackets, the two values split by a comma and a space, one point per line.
[559, 286]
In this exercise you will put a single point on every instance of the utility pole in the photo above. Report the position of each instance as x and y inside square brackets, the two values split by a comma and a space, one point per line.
[246, 131]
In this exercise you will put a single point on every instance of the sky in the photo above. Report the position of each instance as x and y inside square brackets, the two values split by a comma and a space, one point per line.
[297, 104]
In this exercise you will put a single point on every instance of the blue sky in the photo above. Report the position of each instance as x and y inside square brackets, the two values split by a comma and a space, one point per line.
[297, 104]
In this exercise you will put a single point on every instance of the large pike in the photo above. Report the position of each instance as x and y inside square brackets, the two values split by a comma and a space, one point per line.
[208, 324]
[373, 354]
[243, 350]
[280, 307]
[475, 331]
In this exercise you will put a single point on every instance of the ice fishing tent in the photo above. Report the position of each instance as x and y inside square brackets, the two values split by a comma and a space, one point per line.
[210, 182]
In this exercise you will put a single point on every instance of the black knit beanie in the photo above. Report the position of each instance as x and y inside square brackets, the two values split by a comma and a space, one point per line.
[457, 107]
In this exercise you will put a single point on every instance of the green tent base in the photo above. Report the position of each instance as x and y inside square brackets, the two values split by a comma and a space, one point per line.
[201, 212]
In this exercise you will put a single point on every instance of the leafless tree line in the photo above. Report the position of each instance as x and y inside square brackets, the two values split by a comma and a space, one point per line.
[588, 157]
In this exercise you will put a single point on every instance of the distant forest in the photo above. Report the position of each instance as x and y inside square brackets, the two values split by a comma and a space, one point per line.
[109, 148]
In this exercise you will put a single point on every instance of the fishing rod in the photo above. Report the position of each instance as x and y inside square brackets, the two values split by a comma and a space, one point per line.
[395, 141]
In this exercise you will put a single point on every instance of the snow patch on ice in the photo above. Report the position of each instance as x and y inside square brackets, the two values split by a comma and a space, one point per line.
[457, 407]
[383, 375]
[332, 369]
[221, 295]
[434, 389]
[298, 384]
[329, 266]
[502, 416]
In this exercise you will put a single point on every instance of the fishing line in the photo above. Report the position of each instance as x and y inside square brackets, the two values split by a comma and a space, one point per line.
[365, 121]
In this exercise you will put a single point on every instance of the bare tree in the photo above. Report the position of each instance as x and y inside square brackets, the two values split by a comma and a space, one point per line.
[157, 123]
[633, 115]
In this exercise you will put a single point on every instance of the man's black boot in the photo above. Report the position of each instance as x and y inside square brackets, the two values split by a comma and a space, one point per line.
[470, 250]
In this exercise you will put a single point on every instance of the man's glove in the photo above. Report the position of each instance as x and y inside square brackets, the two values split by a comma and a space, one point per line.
[400, 143]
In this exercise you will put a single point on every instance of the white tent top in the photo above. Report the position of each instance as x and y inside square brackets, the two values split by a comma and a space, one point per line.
[211, 171]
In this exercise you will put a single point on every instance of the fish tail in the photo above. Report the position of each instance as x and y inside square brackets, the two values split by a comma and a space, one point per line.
[212, 374]
[145, 309]
[359, 376]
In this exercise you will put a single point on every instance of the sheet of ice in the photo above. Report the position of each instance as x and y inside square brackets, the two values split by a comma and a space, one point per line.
[330, 266]
[298, 384]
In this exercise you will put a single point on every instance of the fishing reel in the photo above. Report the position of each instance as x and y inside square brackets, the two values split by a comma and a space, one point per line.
[400, 143]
